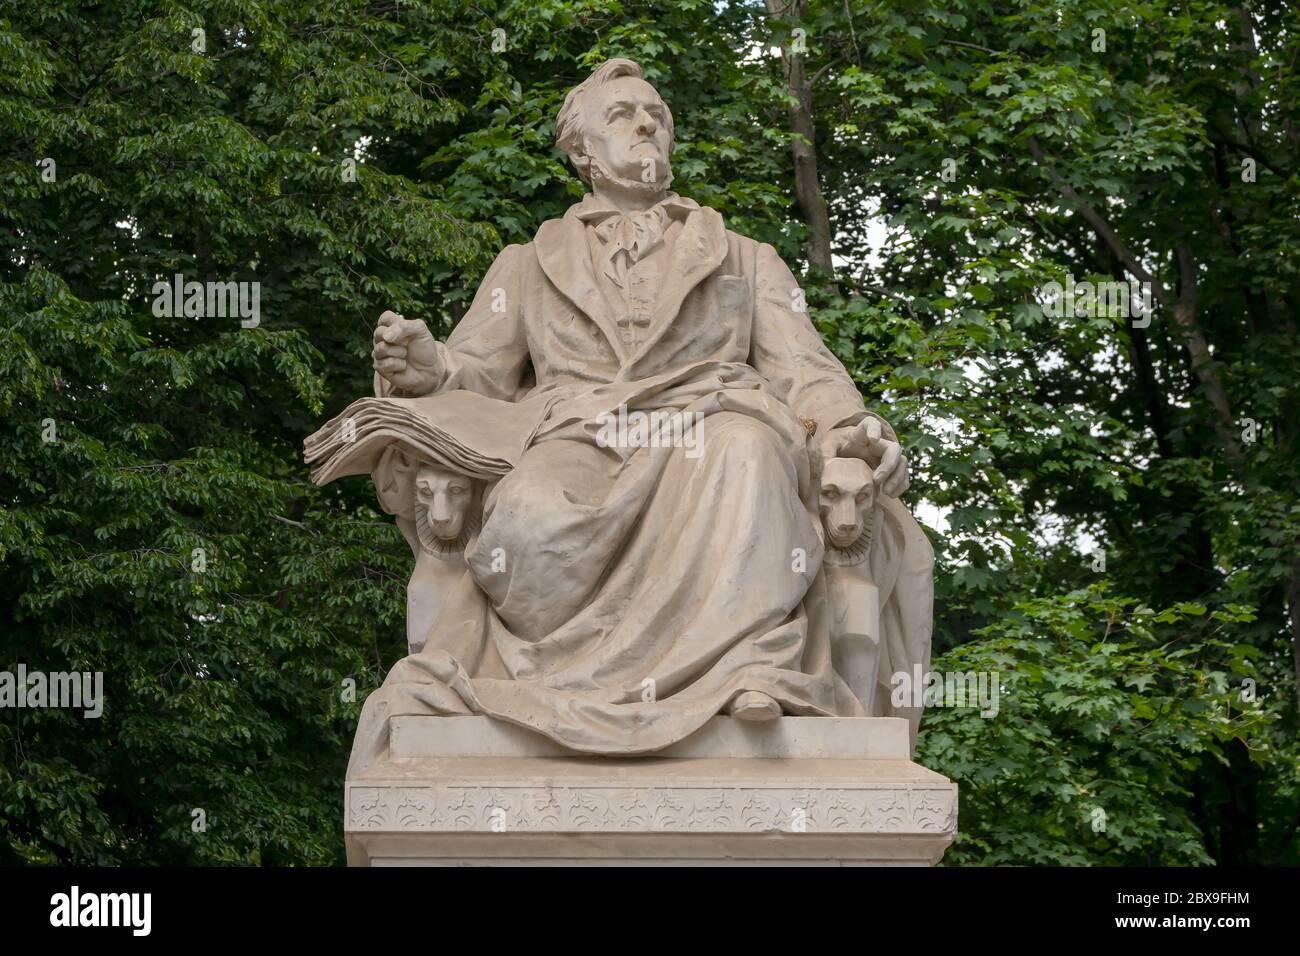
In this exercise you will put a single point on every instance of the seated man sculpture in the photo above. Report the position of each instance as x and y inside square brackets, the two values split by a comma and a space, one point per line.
[618, 595]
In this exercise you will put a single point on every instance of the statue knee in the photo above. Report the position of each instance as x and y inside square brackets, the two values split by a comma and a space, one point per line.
[742, 437]
[746, 444]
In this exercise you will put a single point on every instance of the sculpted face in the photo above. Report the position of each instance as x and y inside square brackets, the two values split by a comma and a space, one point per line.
[442, 500]
[847, 497]
[625, 126]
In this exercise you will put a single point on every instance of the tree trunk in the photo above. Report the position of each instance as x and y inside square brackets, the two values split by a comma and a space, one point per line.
[803, 148]
[1293, 609]
[1202, 361]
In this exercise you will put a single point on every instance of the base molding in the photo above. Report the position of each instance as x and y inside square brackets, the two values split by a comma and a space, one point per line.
[730, 808]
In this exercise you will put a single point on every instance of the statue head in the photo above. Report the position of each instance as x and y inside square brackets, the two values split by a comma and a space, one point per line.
[848, 495]
[616, 129]
[445, 502]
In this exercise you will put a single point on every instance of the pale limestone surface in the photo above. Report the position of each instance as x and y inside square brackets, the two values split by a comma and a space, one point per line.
[620, 593]
[493, 798]
[819, 738]
[674, 506]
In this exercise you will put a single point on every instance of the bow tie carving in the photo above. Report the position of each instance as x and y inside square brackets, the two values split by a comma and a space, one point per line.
[634, 234]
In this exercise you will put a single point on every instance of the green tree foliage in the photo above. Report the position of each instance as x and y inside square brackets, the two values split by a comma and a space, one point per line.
[157, 524]
[1012, 145]
[1097, 734]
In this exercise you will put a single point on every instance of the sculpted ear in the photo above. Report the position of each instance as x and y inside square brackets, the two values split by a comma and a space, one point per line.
[582, 163]
[581, 158]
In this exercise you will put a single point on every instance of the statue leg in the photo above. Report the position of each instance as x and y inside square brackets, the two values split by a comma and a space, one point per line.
[658, 565]
[549, 530]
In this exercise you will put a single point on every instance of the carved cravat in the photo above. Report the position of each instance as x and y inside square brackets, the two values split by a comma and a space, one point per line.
[626, 238]
[625, 253]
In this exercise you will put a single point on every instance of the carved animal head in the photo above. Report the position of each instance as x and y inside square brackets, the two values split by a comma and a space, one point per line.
[848, 496]
[445, 502]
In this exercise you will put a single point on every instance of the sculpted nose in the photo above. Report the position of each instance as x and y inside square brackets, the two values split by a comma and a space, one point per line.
[645, 123]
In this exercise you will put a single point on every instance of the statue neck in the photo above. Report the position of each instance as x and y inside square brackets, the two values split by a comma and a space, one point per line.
[626, 200]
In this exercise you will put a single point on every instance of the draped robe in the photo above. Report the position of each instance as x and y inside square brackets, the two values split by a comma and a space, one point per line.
[616, 598]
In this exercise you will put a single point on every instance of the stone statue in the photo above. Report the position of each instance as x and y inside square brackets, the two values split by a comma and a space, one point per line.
[437, 510]
[627, 582]
[848, 503]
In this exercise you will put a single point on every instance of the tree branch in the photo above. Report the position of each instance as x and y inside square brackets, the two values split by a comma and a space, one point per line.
[1184, 307]
[1099, 225]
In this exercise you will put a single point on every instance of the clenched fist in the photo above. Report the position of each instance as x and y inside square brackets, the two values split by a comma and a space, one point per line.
[407, 354]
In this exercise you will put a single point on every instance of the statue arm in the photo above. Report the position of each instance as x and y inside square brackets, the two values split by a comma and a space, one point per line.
[788, 352]
[487, 352]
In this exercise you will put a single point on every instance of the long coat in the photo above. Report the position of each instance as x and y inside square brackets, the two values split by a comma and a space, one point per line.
[617, 598]
[725, 298]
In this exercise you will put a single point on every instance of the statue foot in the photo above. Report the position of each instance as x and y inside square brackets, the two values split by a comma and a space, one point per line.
[754, 705]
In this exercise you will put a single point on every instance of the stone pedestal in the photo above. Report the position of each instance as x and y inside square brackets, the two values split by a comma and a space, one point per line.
[462, 791]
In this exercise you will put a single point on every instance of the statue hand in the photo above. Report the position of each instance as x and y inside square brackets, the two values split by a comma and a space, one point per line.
[407, 354]
[866, 440]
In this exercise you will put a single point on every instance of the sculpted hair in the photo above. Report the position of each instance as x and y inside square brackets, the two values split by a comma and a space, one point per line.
[568, 122]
